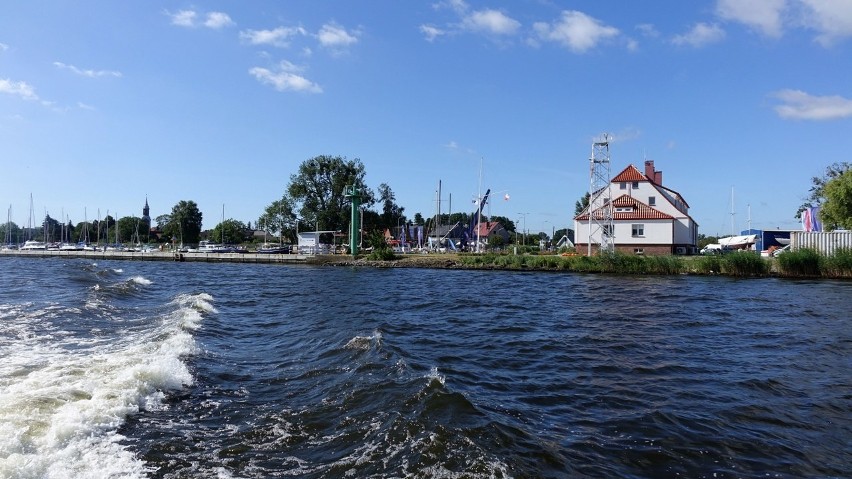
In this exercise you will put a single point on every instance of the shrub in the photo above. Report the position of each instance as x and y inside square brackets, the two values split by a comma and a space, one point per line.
[744, 264]
[708, 265]
[840, 264]
[803, 262]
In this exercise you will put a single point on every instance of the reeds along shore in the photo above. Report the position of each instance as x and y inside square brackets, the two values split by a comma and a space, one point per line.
[799, 264]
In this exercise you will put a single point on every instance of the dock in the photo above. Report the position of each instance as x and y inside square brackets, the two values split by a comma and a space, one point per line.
[262, 258]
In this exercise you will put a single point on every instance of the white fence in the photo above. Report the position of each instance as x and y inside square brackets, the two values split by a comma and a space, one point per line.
[826, 242]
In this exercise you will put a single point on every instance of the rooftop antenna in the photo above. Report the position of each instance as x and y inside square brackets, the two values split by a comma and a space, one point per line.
[600, 206]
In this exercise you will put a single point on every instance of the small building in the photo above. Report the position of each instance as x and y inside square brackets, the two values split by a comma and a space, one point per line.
[647, 217]
[488, 229]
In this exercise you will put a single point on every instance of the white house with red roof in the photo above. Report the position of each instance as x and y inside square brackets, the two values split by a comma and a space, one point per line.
[647, 217]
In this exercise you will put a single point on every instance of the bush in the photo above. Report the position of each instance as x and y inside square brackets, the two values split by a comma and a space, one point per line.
[803, 262]
[744, 264]
[708, 265]
[839, 265]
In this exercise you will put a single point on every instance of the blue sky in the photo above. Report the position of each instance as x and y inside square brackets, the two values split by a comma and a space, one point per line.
[103, 104]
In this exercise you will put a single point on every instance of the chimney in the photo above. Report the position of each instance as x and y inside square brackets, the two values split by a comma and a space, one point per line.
[653, 174]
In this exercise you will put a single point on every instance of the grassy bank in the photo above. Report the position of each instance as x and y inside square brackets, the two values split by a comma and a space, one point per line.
[792, 264]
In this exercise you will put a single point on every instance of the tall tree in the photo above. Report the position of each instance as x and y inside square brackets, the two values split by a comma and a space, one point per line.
[319, 188]
[183, 224]
[581, 204]
[816, 195]
[391, 212]
[229, 231]
[279, 219]
[836, 211]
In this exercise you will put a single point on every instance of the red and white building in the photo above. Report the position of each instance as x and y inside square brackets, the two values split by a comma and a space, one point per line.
[647, 217]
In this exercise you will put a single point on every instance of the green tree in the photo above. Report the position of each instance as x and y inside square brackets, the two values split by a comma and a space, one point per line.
[183, 224]
[418, 219]
[11, 233]
[131, 229]
[816, 195]
[836, 211]
[495, 242]
[50, 229]
[391, 212]
[83, 232]
[581, 204]
[229, 231]
[318, 188]
[279, 219]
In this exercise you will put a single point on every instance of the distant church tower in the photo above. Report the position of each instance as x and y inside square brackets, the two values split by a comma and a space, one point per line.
[146, 217]
[146, 220]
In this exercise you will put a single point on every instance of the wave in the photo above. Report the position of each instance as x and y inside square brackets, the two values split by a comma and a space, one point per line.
[63, 397]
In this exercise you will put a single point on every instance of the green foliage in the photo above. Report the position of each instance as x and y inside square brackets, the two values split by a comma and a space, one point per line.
[11, 233]
[837, 209]
[803, 262]
[183, 224]
[838, 265]
[381, 250]
[816, 195]
[391, 212]
[229, 231]
[744, 264]
[581, 204]
[708, 265]
[318, 188]
[279, 219]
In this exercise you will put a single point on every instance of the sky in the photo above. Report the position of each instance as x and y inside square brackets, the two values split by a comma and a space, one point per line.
[106, 104]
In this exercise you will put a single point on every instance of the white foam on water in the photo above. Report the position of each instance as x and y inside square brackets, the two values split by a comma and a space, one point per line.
[63, 400]
[140, 280]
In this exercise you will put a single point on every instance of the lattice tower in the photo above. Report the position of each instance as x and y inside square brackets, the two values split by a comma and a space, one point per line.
[601, 230]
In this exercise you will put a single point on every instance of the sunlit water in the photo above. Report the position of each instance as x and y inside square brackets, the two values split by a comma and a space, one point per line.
[192, 370]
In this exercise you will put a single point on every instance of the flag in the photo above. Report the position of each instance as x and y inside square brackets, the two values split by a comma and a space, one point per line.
[810, 219]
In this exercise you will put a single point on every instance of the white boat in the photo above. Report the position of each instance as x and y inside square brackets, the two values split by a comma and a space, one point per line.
[34, 245]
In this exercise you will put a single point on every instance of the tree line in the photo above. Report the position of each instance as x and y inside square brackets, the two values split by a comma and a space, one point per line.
[314, 198]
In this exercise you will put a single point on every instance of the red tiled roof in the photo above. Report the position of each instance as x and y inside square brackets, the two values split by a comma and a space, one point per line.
[639, 211]
[630, 174]
[486, 227]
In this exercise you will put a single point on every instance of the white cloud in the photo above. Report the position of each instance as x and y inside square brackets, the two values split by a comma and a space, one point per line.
[217, 20]
[183, 18]
[431, 32]
[576, 31]
[492, 22]
[648, 30]
[189, 19]
[3, 47]
[701, 34]
[279, 37]
[87, 73]
[286, 78]
[798, 105]
[84, 106]
[334, 36]
[20, 89]
[765, 16]
[832, 19]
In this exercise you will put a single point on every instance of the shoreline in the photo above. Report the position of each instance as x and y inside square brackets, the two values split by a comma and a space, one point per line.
[682, 266]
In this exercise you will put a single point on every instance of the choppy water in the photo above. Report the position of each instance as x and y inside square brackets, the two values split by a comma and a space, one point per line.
[191, 370]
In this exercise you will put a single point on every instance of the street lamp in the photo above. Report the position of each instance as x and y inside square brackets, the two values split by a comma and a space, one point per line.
[524, 215]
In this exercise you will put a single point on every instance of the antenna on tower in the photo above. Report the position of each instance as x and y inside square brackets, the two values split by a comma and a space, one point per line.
[601, 229]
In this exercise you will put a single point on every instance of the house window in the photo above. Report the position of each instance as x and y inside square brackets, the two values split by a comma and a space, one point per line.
[622, 185]
[635, 185]
[638, 230]
[607, 230]
[638, 250]
[624, 209]
[652, 200]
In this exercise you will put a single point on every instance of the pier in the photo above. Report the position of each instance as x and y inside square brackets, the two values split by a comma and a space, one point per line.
[193, 257]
